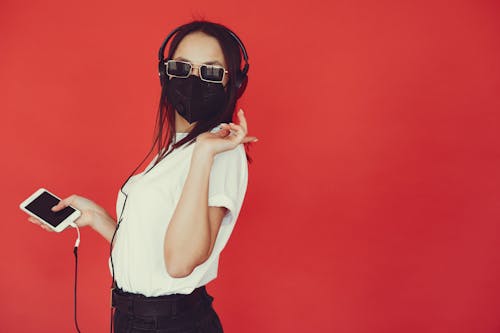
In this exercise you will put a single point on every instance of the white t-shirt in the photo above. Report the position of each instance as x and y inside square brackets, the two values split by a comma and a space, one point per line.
[138, 253]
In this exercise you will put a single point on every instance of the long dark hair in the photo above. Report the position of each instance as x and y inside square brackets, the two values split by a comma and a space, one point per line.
[164, 133]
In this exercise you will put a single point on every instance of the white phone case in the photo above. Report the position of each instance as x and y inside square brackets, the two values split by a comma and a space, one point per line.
[63, 225]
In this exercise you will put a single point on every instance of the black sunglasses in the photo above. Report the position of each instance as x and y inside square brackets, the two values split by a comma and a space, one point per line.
[183, 69]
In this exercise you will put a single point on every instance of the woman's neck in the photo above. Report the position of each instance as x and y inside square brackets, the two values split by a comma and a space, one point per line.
[181, 124]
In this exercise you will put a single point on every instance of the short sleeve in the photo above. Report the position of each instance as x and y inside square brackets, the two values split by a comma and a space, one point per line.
[228, 182]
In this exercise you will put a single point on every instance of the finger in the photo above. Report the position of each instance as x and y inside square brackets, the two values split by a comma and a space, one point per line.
[242, 119]
[222, 132]
[237, 134]
[45, 227]
[62, 204]
[249, 139]
[37, 222]
[33, 220]
[238, 128]
[240, 136]
[220, 127]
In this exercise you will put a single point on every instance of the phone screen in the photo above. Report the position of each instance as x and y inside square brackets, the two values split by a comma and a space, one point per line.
[41, 207]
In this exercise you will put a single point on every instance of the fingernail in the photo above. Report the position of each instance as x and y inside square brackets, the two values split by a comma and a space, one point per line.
[255, 140]
[52, 207]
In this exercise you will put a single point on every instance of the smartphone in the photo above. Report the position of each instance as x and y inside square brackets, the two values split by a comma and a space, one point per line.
[39, 205]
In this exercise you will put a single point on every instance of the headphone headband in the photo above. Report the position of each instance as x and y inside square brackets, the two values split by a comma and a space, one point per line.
[161, 53]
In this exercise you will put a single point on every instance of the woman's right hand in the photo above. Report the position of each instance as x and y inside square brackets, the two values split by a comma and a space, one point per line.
[91, 212]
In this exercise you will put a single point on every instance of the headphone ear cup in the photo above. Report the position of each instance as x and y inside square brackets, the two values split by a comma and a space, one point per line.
[162, 70]
[241, 84]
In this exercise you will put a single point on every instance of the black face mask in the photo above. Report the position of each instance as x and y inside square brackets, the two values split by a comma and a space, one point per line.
[196, 99]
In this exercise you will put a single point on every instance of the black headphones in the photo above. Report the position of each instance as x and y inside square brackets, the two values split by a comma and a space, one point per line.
[241, 78]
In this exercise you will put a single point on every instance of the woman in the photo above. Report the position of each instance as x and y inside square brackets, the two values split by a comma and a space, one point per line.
[177, 215]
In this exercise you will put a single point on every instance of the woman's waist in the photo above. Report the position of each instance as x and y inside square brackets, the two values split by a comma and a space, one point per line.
[150, 277]
[164, 305]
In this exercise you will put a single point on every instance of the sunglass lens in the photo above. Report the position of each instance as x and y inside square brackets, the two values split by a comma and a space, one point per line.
[178, 68]
[212, 73]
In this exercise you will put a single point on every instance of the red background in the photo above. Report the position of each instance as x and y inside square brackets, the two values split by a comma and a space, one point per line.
[373, 202]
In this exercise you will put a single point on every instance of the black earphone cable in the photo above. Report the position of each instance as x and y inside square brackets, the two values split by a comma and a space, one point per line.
[75, 251]
[77, 243]
[113, 282]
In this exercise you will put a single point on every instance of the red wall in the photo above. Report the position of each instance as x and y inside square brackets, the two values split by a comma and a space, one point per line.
[373, 202]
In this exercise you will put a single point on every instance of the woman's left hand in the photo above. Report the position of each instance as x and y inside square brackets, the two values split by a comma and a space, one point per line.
[228, 137]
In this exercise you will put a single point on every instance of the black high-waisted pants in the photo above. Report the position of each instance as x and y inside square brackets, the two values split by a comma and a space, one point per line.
[176, 313]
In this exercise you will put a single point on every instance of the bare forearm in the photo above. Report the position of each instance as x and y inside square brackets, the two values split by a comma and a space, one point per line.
[104, 225]
[187, 240]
